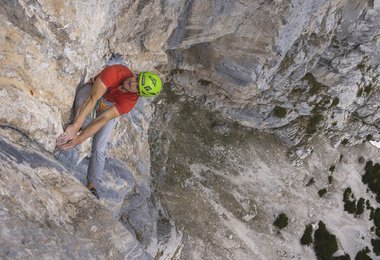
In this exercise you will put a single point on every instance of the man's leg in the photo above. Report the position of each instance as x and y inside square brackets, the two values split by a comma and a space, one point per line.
[98, 154]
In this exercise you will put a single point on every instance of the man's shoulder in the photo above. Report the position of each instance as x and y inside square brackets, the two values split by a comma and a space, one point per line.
[117, 67]
[113, 75]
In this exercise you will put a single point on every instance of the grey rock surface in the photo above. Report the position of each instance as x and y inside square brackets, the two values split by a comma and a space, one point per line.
[225, 189]
[47, 214]
[283, 66]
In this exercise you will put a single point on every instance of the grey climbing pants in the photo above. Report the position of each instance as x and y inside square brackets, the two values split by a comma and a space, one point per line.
[99, 140]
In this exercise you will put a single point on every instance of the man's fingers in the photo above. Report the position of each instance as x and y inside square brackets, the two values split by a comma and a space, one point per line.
[61, 147]
[67, 146]
[63, 134]
[61, 141]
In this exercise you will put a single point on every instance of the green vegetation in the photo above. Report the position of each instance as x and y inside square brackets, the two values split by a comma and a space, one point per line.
[345, 141]
[324, 103]
[330, 179]
[360, 92]
[322, 192]
[360, 207]
[311, 182]
[335, 102]
[355, 114]
[349, 201]
[325, 244]
[317, 39]
[369, 137]
[315, 86]
[297, 92]
[342, 257]
[138, 236]
[314, 122]
[360, 66]
[376, 220]
[372, 214]
[159, 255]
[376, 246]
[350, 204]
[306, 238]
[279, 112]
[281, 221]
[368, 204]
[362, 255]
[332, 168]
[372, 178]
[368, 89]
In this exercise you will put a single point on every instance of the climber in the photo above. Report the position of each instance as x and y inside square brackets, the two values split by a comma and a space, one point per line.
[114, 92]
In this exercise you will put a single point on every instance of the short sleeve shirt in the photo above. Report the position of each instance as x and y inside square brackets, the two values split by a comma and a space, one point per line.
[112, 77]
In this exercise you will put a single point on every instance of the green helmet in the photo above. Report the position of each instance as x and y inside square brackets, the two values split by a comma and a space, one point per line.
[149, 84]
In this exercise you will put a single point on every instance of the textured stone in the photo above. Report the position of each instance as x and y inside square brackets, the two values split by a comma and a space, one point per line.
[29, 115]
[333, 41]
[225, 190]
[46, 213]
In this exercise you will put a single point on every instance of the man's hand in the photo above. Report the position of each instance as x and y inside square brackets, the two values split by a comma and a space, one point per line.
[67, 141]
[70, 144]
[70, 133]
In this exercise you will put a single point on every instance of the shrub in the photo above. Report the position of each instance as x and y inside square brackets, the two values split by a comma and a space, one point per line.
[342, 257]
[376, 246]
[315, 86]
[311, 182]
[362, 255]
[372, 178]
[360, 92]
[376, 219]
[322, 192]
[368, 89]
[349, 204]
[335, 102]
[281, 221]
[306, 238]
[314, 122]
[279, 112]
[360, 207]
[325, 244]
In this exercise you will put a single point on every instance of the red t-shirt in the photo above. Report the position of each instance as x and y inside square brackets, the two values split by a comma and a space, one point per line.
[112, 77]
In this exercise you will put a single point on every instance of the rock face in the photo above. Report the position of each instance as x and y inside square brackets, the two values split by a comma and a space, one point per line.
[46, 213]
[287, 67]
[225, 185]
[188, 172]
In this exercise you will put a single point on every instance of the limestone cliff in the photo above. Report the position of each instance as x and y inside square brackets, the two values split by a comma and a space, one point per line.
[267, 108]
[46, 213]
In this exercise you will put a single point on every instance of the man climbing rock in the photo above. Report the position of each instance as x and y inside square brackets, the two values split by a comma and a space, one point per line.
[114, 92]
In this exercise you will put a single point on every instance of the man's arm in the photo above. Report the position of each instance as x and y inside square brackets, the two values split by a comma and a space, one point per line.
[92, 128]
[97, 91]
